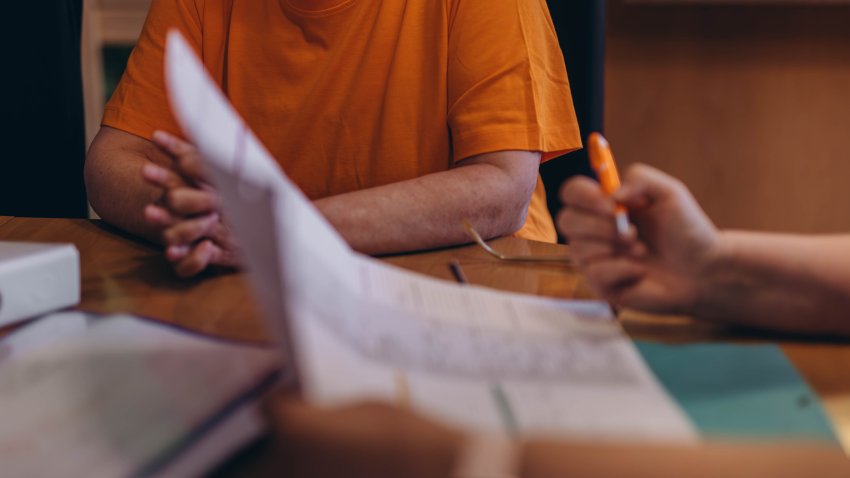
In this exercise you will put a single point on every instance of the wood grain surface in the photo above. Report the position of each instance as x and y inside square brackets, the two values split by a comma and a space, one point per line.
[123, 274]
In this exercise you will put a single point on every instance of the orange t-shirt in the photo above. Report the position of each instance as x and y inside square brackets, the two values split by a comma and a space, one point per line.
[352, 94]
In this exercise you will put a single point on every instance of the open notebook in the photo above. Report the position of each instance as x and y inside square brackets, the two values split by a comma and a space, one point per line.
[359, 329]
[86, 396]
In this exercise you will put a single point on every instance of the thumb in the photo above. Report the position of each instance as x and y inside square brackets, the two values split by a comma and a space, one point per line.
[644, 185]
[171, 143]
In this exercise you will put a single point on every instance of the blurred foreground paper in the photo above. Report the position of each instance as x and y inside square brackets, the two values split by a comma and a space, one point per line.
[353, 325]
[85, 396]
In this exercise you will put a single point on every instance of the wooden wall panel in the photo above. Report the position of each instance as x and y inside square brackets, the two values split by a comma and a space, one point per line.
[750, 106]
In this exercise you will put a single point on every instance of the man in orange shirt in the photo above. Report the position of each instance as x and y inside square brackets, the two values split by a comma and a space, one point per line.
[398, 118]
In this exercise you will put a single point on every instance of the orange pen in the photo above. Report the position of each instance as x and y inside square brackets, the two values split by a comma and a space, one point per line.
[602, 161]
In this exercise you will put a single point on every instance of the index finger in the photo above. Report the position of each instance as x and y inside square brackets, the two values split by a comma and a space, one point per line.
[585, 193]
[185, 155]
[172, 144]
[161, 177]
[647, 184]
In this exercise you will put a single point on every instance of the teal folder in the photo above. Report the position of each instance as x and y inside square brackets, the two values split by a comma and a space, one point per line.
[739, 391]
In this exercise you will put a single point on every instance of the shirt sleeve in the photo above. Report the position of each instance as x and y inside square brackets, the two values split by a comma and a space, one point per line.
[140, 105]
[507, 83]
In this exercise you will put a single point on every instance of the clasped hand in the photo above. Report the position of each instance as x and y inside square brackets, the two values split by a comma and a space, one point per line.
[187, 213]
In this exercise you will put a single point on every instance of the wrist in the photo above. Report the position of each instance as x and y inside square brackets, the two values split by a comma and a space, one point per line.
[713, 274]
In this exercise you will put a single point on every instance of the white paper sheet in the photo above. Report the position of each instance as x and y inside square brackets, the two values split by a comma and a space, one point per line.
[475, 357]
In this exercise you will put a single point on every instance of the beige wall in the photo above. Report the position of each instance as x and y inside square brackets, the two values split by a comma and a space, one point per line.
[750, 106]
[105, 22]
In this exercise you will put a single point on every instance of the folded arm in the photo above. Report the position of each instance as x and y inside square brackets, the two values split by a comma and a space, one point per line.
[491, 190]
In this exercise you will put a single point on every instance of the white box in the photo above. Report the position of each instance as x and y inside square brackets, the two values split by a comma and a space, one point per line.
[36, 279]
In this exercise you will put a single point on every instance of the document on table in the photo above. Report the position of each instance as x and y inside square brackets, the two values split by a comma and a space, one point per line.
[353, 325]
[118, 396]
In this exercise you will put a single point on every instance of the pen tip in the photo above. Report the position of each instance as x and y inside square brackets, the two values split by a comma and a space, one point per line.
[598, 139]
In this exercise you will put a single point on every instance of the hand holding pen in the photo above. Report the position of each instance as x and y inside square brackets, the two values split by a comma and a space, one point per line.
[655, 262]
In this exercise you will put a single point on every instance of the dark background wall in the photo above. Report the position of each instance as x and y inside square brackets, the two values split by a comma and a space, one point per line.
[581, 31]
[43, 134]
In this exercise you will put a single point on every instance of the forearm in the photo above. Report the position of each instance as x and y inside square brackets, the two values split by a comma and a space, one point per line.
[782, 282]
[116, 189]
[427, 212]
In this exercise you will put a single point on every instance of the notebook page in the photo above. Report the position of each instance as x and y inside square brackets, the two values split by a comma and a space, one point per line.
[115, 398]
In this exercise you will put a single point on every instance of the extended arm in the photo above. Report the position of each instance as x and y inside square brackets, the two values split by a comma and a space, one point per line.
[675, 260]
[782, 282]
[379, 440]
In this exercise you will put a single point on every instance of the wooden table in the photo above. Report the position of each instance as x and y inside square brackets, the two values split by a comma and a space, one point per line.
[122, 274]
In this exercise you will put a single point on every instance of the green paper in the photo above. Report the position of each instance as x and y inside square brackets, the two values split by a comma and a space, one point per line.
[739, 391]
